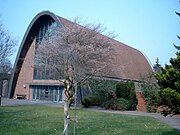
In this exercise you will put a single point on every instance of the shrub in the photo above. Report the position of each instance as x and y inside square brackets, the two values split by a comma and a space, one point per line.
[150, 93]
[103, 88]
[170, 99]
[117, 104]
[92, 100]
[101, 84]
[105, 94]
[126, 90]
[86, 101]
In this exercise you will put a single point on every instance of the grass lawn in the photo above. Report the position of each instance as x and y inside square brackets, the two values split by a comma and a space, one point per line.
[43, 120]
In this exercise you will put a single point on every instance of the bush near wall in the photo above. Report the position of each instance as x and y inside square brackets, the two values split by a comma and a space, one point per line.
[103, 88]
[150, 93]
[111, 95]
[117, 104]
[98, 85]
[126, 90]
[92, 100]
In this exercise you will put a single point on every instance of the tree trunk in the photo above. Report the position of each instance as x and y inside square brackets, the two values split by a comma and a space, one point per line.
[75, 104]
[66, 116]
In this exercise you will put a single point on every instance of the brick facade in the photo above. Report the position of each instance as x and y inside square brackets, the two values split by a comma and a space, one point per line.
[25, 78]
[26, 73]
[141, 106]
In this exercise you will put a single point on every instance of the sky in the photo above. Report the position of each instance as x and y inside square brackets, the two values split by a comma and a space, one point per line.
[150, 26]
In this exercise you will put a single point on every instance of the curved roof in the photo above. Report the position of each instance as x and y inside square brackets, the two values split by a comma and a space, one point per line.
[128, 63]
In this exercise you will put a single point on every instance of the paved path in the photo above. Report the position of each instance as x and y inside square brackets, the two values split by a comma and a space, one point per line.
[19, 102]
[173, 121]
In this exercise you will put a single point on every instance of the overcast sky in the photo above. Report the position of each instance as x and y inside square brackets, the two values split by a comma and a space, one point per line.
[150, 26]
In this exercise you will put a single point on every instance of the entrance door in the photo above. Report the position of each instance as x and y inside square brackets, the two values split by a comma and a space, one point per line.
[48, 93]
[58, 96]
[36, 93]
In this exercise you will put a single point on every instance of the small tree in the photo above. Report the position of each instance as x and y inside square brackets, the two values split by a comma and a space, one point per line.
[77, 52]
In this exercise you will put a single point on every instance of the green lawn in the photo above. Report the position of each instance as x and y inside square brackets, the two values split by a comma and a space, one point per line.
[43, 120]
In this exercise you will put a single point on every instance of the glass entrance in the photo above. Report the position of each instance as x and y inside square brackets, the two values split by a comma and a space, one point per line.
[48, 93]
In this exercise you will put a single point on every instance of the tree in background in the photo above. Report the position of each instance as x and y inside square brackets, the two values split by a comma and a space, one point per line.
[76, 52]
[7, 44]
[177, 46]
[157, 66]
[169, 82]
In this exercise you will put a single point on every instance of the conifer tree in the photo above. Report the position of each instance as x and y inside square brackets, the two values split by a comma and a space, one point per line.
[169, 82]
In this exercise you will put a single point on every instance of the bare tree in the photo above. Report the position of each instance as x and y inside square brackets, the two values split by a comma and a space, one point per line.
[77, 52]
[7, 44]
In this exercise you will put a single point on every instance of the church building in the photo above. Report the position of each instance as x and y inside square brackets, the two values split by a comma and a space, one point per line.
[33, 82]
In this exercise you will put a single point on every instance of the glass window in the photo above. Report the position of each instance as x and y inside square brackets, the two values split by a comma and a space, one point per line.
[41, 71]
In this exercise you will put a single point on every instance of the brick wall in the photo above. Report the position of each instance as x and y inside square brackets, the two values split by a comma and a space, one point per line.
[141, 106]
[25, 77]
[26, 73]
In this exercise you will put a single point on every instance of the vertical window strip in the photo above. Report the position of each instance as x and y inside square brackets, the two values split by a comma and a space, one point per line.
[42, 71]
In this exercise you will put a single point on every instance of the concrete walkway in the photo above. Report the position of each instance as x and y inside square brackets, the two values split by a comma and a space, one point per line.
[19, 102]
[173, 121]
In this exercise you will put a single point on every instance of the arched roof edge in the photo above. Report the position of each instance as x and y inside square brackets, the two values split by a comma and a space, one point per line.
[56, 19]
[43, 13]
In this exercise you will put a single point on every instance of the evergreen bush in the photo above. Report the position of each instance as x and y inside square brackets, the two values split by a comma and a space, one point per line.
[103, 88]
[169, 97]
[150, 93]
[117, 104]
[126, 90]
[92, 100]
